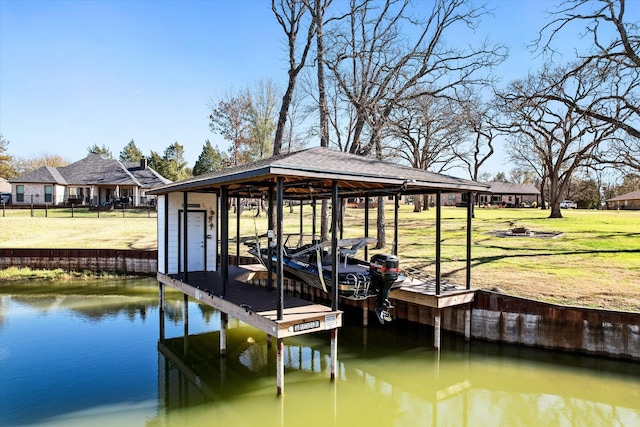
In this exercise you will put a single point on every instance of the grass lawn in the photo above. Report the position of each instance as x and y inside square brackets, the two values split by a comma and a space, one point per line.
[594, 263]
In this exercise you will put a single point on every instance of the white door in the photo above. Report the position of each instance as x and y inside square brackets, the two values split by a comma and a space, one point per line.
[195, 241]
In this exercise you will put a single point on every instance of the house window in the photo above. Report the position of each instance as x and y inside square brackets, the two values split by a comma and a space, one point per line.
[19, 193]
[48, 193]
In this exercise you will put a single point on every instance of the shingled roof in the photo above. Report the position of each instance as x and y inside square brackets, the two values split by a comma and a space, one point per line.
[634, 195]
[498, 187]
[42, 175]
[312, 171]
[95, 170]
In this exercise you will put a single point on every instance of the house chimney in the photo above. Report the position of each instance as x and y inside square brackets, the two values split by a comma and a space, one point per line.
[144, 163]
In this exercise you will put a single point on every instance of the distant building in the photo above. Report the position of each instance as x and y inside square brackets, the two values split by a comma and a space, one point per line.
[92, 181]
[626, 201]
[510, 195]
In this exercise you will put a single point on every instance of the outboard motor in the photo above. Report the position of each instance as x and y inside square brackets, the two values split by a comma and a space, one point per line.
[384, 273]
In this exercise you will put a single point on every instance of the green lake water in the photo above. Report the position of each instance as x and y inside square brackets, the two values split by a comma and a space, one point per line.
[88, 353]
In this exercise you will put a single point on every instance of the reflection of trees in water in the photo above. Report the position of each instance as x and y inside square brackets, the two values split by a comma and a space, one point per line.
[91, 300]
[207, 312]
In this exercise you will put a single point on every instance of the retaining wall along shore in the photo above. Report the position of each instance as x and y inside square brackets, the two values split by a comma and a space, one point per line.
[113, 260]
[494, 317]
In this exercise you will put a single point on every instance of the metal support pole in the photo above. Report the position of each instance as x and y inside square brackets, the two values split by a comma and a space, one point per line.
[366, 225]
[166, 233]
[301, 221]
[469, 215]
[467, 323]
[280, 366]
[313, 219]
[186, 324]
[224, 322]
[280, 251]
[436, 327]
[334, 246]
[270, 239]
[334, 353]
[237, 230]
[224, 237]
[395, 223]
[438, 238]
[185, 234]
[161, 309]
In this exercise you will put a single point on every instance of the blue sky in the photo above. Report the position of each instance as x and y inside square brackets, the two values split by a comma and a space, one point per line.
[84, 72]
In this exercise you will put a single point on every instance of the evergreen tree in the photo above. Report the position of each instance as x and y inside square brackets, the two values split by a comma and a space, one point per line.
[131, 153]
[101, 151]
[210, 160]
[171, 164]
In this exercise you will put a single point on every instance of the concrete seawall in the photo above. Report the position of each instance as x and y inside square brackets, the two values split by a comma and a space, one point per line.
[512, 320]
[503, 318]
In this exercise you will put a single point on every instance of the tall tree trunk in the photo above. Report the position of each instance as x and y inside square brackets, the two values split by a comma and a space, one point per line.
[318, 9]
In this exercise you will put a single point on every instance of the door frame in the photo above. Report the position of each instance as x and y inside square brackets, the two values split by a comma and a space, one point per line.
[181, 240]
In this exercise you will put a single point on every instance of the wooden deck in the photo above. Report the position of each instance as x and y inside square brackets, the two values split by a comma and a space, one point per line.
[254, 305]
[423, 292]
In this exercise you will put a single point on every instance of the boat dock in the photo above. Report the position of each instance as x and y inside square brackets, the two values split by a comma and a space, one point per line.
[254, 306]
[194, 244]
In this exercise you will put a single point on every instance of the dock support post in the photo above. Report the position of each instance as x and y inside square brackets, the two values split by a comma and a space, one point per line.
[224, 322]
[467, 323]
[280, 246]
[186, 324]
[334, 353]
[238, 213]
[436, 329]
[224, 238]
[366, 225]
[469, 216]
[438, 238]
[396, 208]
[280, 366]
[365, 315]
[185, 234]
[161, 309]
[334, 244]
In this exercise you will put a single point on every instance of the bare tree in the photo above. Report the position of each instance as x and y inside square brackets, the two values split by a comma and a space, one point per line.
[380, 55]
[262, 108]
[229, 119]
[292, 15]
[561, 138]
[614, 54]
[425, 131]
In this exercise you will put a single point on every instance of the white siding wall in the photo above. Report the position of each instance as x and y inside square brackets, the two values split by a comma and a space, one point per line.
[205, 202]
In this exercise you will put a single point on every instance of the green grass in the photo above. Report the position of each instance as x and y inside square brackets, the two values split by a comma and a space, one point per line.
[594, 263]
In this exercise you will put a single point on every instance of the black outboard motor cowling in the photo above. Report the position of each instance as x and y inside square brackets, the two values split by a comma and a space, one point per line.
[384, 273]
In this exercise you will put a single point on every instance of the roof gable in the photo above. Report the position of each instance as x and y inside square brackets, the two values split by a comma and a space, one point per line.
[315, 168]
[147, 177]
[42, 175]
[94, 169]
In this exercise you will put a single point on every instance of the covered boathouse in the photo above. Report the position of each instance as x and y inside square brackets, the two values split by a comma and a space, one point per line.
[194, 248]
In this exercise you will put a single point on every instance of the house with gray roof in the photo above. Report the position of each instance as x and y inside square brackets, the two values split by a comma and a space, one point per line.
[92, 181]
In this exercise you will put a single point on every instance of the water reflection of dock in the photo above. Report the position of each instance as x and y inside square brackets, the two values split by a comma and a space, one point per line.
[200, 376]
